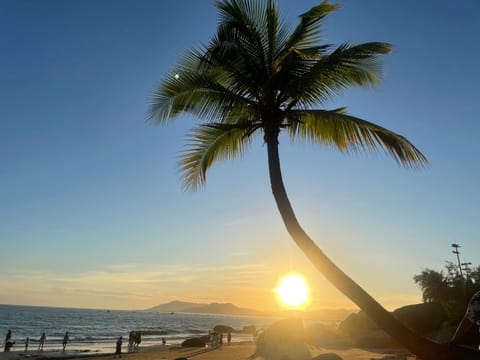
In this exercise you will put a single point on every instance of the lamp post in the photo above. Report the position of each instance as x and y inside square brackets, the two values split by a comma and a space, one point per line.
[456, 246]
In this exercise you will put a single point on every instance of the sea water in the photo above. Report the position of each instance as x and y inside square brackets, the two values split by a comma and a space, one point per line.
[98, 330]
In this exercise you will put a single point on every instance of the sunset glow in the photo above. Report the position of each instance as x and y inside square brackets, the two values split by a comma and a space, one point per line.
[93, 212]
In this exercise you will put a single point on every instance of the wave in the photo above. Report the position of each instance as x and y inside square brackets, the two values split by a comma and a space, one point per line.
[98, 329]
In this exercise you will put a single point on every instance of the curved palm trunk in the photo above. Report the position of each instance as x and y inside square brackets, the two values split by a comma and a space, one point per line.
[424, 348]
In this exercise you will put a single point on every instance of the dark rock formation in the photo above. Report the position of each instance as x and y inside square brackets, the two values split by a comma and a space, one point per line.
[194, 342]
[284, 340]
[357, 325]
[421, 318]
[325, 335]
[223, 329]
[329, 356]
[425, 319]
[249, 329]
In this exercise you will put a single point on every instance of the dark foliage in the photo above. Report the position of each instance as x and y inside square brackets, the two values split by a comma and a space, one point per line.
[449, 288]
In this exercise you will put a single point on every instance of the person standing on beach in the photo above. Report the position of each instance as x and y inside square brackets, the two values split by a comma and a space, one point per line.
[118, 349]
[130, 341]
[65, 340]
[8, 337]
[229, 338]
[138, 339]
[41, 342]
[27, 341]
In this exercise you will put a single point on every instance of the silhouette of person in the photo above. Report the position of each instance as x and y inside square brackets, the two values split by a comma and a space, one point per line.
[470, 319]
[130, 341]
[138, 339]
[118, 349]
[27, 341]
[65, 340]
[8, 339]
[163, 341]
[41, 342]
[214, 339]
[229, 338]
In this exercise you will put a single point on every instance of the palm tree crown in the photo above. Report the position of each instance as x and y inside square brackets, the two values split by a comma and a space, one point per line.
[256, 75]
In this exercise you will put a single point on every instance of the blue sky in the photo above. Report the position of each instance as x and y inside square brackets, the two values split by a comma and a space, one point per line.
[91, 208]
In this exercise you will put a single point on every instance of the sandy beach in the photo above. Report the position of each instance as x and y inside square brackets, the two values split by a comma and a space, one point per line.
[234, 351]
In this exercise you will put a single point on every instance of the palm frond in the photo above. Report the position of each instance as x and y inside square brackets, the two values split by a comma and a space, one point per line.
[239, 59]
[210, 143]
[207, 95]
[244, 22]
[306, 33]
[348, 65]
[272, 21]
[349, 133]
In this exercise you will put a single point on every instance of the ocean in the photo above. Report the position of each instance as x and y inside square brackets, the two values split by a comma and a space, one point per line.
[98, 330]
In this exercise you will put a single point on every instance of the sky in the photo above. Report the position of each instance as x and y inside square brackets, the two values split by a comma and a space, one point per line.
[92, 212]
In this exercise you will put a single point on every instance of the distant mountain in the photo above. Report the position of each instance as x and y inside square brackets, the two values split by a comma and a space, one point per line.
[231, 309]
[175, 306]
[212, 308]
[225, 309]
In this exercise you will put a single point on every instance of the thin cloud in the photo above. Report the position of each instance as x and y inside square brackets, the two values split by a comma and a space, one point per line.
[238, 254]
[128, 285]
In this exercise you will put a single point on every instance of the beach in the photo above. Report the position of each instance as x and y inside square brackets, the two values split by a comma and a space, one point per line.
[234, 351]
[93, 334]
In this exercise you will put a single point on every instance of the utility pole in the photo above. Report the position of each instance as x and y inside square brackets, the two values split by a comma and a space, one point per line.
[466, 268]
[456, 246]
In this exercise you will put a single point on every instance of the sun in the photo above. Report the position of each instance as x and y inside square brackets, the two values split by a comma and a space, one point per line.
[293, 290]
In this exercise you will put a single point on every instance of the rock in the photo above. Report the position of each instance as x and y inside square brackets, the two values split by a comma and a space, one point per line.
[223, 329]
[375, 339]
[325, 335]
[445, 332]
[356, 325]
[363, 332]
[329, 356]
[249, 329]
[194, 342]
[283, 340]
[421, 318]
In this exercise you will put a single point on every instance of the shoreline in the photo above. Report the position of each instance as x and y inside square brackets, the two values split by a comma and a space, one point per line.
[234, 351]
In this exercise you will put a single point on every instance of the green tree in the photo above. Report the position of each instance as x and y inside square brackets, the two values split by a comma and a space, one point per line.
[258, 76]
[434, 285]
[473, 276]
[449, 288]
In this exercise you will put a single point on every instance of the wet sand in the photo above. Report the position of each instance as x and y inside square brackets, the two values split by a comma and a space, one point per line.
[234, 351]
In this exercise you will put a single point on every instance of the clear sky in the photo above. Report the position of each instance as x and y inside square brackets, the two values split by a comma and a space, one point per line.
[91, 208]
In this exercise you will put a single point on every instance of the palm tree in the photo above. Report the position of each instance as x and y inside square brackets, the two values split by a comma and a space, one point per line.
[434, 285]
[258, 76]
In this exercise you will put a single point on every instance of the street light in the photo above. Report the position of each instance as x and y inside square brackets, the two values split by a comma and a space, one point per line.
[456, 246]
